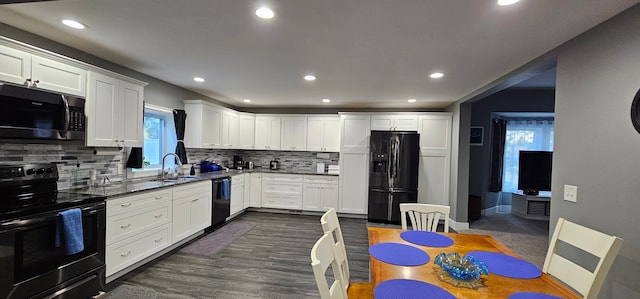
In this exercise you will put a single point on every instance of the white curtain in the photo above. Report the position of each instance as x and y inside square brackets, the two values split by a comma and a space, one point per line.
[532, 135]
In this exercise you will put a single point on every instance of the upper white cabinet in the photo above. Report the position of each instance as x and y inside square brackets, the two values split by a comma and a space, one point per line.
[230, 129]
[355, 130]
[203, 126]
[267, 132]
[394, 122]
[435, 133]
[246, 138]
[323, 133]
[115, 111]
[294, 133]
[35, 71]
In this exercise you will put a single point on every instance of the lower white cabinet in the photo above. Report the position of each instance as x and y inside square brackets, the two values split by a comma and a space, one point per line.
[237, 194]
[282, 191]
[191, 209]
[320, 193]
[247, 191]
[137, 226]
[255, 195]
[354, 183]
[141, 225]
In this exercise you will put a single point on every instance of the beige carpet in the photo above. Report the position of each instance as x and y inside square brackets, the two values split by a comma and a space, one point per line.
[528, 238]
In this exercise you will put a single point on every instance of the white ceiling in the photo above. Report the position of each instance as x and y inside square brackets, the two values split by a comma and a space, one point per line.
[365, 53]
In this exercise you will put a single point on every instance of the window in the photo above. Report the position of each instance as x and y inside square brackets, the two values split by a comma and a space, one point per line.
[523, 135]
[159, 136]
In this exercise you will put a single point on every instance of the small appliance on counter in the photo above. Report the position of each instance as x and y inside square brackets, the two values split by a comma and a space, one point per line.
[248, 165]
[274, 165]
[237, 162]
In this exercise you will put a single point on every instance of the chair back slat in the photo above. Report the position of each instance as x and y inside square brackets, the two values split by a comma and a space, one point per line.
[331, 226]
[604, 247]
[323, 257]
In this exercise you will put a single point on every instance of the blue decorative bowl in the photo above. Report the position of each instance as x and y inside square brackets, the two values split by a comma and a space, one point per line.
[459, 267]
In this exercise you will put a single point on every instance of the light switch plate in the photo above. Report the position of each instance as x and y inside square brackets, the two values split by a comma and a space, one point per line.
[571, 193]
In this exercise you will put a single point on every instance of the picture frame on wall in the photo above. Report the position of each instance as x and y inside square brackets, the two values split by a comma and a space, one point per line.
[476, 136]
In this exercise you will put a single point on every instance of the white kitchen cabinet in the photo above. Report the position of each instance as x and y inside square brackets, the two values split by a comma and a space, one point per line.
[203, 126]
[35, 71]
[236, 204]
[354, 183]
[230, 129]
[246, 137]
[320, 193]
[137, 226]
[355, 130]
[293, 133]
[435, 158]
[323, 133]
[394, 122]
[255, 197]
[247, 191]
[267, 132]
[115, 112]
[192, 205]
[282, 191]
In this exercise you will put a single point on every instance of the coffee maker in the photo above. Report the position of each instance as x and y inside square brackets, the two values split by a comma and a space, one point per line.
[237, 162]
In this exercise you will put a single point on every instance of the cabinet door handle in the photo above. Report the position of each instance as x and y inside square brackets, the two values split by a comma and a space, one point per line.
[125, 205]
[158, 216]
[159, 197]
[158, 240]
[194, 200]
[125, 254]
[125, 226]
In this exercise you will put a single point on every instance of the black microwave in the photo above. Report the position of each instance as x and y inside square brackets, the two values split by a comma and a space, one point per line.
[27, 113]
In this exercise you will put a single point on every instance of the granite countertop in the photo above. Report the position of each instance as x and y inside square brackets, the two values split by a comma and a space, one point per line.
[151, 183]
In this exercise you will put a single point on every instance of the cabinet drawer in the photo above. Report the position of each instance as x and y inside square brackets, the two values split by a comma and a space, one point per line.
[282, 202]
[126, 253]
[192, 188]
[237, 179]
[134, 202]
[125, 225]
[319, 179]
[282, 189]
[293, 178]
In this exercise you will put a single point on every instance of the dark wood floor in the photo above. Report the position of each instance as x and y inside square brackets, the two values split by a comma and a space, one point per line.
[270, 261]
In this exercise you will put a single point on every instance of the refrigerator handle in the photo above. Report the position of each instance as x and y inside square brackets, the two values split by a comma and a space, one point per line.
[394, 158]
[390, 207]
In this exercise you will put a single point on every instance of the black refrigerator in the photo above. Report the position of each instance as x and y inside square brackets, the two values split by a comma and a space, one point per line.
[393, 173]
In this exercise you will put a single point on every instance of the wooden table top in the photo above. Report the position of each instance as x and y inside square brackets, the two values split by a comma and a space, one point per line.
[496, 286]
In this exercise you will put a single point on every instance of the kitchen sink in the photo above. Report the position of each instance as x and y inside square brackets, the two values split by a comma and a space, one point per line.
[178, 179]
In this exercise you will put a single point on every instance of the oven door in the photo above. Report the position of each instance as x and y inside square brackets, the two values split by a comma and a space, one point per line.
[33, 266]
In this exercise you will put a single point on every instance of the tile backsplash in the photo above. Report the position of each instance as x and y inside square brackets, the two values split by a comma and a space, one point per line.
[75, 161]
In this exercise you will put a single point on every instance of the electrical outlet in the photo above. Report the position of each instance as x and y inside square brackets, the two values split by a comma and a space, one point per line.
[571, 193]
[120, 168]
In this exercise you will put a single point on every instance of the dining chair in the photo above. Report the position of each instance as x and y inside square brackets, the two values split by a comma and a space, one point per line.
[331, 227]
[424, 216]
[323, 256]
[603, 246]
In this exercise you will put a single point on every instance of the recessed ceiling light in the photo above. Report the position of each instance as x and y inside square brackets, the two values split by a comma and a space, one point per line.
[436, 75]
[310, 77]
[507, 2]
[326, 100]
[74, 24]
[247, 100]
[198, 79]
[265, 13]
[411, 100]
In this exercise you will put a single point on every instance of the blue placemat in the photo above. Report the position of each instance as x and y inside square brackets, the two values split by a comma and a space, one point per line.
[424, 238]
[532, 295]
[399, 254]
[506, 265]
[409, 289]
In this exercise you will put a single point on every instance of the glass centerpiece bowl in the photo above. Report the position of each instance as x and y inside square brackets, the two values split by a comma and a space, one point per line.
[461, 271]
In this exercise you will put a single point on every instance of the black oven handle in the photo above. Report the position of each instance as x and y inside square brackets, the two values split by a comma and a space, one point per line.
[24, 224]
[67, 116]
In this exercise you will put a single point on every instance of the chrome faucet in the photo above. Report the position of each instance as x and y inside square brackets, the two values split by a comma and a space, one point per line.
[164, 157]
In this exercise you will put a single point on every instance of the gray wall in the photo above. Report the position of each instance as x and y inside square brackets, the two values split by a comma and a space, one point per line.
[596, 146]
[513, 100]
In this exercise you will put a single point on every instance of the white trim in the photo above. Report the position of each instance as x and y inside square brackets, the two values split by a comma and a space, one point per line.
[458, 225]
[158, 108]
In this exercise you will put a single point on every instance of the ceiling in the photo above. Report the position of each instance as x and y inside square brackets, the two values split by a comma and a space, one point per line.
[364, 53]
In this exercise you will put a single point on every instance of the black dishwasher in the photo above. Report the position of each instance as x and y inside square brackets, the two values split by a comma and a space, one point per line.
[221, 194]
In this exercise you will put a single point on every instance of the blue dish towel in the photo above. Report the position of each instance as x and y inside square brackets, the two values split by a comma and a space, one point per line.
[225, 189]
[69, 231]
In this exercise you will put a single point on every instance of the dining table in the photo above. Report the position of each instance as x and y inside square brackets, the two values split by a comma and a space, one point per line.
[493, 285]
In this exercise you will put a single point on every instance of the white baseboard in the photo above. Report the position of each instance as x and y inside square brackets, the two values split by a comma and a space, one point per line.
[458, 225]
